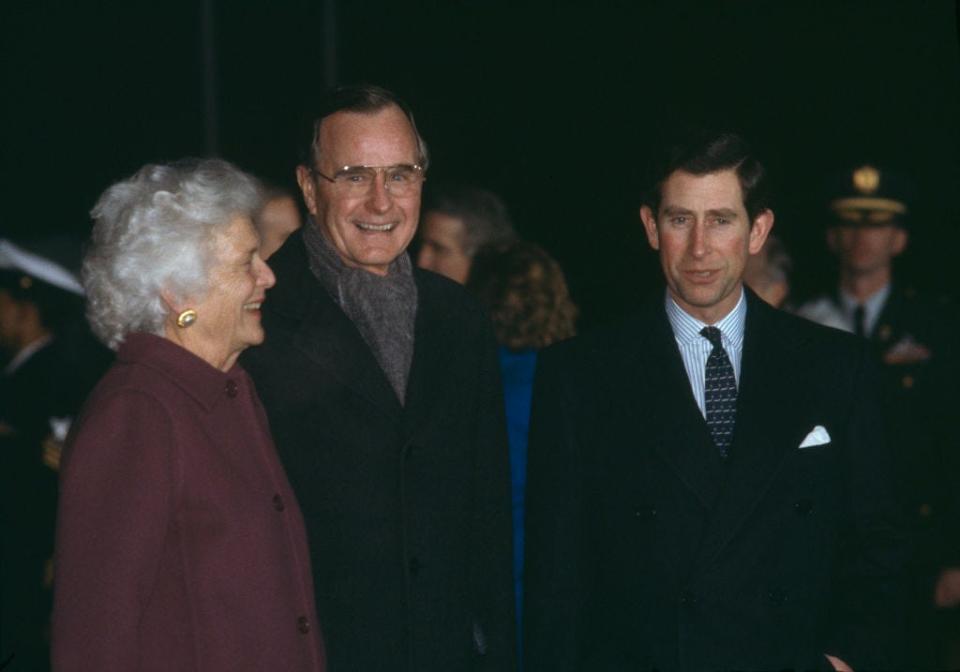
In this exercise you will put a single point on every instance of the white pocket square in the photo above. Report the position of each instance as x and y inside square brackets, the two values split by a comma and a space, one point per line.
[817, 437]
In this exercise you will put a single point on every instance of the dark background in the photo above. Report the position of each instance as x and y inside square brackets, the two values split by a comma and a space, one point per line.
[552, 104]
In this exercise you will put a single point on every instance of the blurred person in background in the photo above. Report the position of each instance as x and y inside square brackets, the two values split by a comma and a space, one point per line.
[279, 217]
[457, 222]
[180, 544]
[912, 335]
[42, 386]
[525, 294]
[768, 272]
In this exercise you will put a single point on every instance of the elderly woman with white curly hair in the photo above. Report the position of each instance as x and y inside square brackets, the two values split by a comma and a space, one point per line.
[180, 545]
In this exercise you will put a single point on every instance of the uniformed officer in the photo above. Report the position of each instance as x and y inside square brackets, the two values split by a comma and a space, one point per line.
[911, 334]
[45, 373]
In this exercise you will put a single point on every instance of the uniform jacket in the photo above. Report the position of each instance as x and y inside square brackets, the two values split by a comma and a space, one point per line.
[407, 506]
[645, 549]
[914, 342]
[180, 545]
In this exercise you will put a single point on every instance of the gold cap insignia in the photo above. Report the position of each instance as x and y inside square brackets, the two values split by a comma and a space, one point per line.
[866, 179]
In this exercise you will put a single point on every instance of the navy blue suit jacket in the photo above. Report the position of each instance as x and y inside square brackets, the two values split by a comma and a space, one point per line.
[646, 550]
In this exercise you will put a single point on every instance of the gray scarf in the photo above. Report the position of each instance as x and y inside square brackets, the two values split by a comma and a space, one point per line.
[383, 308]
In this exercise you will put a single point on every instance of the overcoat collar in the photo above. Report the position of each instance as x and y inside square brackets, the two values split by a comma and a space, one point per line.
[327, 336]
[206, 384]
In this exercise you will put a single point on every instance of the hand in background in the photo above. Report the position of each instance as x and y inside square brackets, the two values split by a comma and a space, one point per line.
[947, 592]
[838, 664]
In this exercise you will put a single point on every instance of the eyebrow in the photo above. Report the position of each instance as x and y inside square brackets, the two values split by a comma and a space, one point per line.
[676, 210]
[729, 213]
[723, 212]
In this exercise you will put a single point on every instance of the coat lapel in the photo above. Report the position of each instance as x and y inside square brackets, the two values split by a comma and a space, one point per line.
[325, 334]
[429, 359]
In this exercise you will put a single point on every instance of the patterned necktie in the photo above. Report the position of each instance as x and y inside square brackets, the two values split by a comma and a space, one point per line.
[720, 392]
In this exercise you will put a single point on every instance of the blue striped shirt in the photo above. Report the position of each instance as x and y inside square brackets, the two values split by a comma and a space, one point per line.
[695, 349]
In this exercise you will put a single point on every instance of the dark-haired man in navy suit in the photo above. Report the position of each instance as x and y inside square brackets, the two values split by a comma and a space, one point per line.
[708, 485]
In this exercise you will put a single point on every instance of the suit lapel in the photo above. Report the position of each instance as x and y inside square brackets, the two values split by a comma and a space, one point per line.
[766, 404]
[680, 437]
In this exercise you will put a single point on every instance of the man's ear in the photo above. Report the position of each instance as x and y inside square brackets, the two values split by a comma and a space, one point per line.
[308, 187]
[650, 226]
[760, 229]
[900, 240]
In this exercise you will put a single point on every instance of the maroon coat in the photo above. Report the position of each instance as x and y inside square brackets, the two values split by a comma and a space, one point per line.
[180, 545]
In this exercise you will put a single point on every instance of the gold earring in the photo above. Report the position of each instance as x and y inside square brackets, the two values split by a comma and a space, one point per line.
[186, 318]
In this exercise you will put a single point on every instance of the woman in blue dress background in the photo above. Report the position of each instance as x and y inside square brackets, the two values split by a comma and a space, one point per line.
[525, 294]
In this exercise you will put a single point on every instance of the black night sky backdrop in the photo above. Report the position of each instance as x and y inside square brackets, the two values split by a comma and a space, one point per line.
[551, 104]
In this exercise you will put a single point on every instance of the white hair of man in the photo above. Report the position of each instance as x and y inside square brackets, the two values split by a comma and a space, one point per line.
[155, 232]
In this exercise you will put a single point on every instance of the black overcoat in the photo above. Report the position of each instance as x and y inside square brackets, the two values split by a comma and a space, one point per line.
[407, 507]
[647, 550]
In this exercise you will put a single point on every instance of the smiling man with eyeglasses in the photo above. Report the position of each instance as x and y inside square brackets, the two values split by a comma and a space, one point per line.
[382, 390]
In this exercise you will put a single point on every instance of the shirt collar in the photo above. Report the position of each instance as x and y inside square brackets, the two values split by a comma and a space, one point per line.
[871, 306]
[686, 328]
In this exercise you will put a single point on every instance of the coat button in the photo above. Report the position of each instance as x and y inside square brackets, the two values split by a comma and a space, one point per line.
[414, 566]
[803, 507]
[303, 625]
[231, 388]
[278, 503]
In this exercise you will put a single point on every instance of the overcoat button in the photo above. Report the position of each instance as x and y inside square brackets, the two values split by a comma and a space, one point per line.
[278, 503]
[231, 388]
[303, 624]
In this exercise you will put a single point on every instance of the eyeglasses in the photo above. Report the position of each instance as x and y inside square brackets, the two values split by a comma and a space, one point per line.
[403, 179]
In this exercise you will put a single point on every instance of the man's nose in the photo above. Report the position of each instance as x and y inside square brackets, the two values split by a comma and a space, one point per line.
[379, 198]
[425, 258]
[699, 245]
